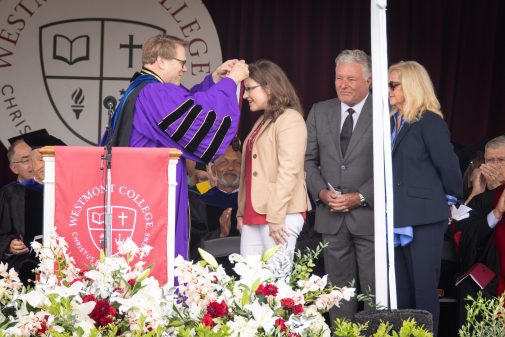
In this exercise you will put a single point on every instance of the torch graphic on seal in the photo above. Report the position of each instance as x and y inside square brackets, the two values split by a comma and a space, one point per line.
[77, 99]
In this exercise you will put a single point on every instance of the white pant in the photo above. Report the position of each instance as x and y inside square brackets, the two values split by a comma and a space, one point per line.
[255, 239]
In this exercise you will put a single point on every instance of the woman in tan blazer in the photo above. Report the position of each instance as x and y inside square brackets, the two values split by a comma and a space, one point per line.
[272, 195]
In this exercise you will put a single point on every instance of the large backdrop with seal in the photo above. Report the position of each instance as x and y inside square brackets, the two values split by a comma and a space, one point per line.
[59, 59]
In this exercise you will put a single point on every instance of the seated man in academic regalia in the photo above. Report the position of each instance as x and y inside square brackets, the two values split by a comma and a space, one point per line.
[482, 237]
[214, 212]
[21, 212]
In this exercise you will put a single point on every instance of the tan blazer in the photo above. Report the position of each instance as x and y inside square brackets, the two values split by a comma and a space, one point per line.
[278, 177]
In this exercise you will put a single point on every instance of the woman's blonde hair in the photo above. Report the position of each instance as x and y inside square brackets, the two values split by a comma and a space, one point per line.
[417, 89]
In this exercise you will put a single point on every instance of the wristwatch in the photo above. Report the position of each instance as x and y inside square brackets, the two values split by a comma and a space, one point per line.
[362, 200]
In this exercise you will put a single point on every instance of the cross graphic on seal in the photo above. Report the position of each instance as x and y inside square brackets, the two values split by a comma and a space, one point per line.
[130, 47]
[122, 217]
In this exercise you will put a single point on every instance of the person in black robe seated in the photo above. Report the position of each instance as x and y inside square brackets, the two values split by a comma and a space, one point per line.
[476, 235]
[213, 213]
[21, 212]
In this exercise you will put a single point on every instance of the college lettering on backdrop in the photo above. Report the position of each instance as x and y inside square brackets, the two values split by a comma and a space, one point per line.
[60, 58]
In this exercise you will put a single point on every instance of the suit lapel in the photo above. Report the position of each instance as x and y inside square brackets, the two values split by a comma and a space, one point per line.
[403, 131]
[364, 122]
[333, 122]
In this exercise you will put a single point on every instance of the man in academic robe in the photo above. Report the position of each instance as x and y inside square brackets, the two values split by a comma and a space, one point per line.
[481, 238]
[214, 212]
[156, 111]
[21, 212]
[20, 163]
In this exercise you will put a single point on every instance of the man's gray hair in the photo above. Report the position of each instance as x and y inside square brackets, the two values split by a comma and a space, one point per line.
[496, 142]
[356, 56]
[12, 149]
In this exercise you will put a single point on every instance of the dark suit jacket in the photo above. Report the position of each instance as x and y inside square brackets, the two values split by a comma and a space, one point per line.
[425, 169]
[350, 173]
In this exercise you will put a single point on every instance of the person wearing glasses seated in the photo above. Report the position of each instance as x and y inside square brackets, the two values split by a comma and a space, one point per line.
[482, 237]
[157, 111]
[272, 198]
[427, 179]
[19, 156]
[213, 213]
[21, 211]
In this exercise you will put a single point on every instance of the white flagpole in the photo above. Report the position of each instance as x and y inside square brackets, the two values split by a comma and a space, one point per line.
[383, 184]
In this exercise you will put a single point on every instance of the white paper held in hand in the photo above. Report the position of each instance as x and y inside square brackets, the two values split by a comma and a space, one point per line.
[331, 188]
[460, 213]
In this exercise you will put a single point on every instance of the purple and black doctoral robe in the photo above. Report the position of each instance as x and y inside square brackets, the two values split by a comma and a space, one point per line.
[201, 122]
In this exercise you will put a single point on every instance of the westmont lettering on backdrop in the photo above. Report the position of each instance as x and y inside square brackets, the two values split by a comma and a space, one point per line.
[60, 58]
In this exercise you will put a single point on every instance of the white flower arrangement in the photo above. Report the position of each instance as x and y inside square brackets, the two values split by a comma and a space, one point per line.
[262, 302]
[111, 299]
[114, 298]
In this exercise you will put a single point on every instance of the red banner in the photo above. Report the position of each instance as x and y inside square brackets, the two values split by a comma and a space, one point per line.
[139, 197]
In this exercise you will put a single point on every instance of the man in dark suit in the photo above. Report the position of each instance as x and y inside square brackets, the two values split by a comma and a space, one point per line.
[339, 157]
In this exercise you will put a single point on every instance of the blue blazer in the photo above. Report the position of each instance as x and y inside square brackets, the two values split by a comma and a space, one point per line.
[425, 169]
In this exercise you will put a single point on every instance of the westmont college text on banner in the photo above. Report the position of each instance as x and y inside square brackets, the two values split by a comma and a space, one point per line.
[139, 202]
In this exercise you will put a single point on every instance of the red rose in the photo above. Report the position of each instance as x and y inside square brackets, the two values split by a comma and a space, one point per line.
[215, 309]
[103, 313]
[293, 334]
[271, 290]
[208, 321]
[132, 282]
[297, 309]
[267, 290]
[281, 323]
[89, 298]
[287, 303]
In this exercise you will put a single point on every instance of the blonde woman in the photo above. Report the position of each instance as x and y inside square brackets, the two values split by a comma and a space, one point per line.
[272, 195]
[426, 178]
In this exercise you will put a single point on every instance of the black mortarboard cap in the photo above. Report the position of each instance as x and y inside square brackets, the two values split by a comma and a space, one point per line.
[41, 139]
[36, 133]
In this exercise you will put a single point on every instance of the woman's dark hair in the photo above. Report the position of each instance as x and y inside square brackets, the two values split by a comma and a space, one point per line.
[281, 93]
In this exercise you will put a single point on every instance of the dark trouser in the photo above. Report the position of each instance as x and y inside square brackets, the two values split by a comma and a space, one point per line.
[349, 257]
[418, 270]
[24, 265]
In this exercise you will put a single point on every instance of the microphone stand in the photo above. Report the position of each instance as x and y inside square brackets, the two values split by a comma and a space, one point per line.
[109, 103]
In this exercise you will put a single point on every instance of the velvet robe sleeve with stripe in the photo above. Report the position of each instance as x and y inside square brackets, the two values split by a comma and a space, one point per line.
[201, 122]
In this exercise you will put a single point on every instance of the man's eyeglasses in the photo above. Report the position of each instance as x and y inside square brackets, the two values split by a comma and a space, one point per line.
[498, 161]
[392, 85]
[22, 161]
[182, 62]
[247, 89]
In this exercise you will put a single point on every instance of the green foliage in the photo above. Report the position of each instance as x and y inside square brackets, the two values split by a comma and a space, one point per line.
[485, 317]
[369, 299]
[409, 328]
[205, 331]
[344, 328]
[304, 262]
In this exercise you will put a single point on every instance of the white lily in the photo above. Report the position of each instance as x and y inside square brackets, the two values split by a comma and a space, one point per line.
[263, 315]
